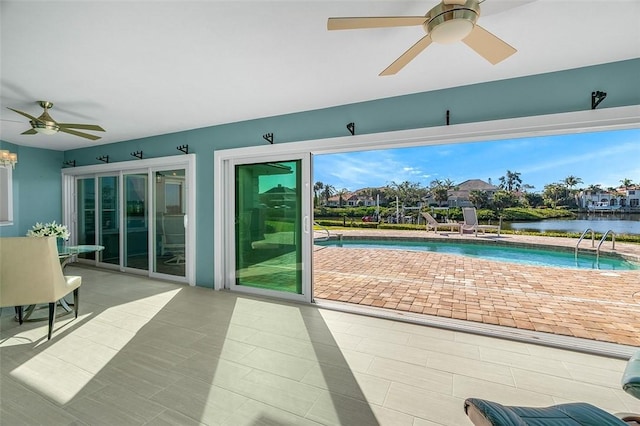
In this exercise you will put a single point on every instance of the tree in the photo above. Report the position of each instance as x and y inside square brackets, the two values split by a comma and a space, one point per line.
[479, 199]
[503, 199]
[317, 188]
[626, 183]
[408, 193]
[327, 192]
[341, 193]
[533, 200]
[571, 181]
[511, 181]
[440, 190]
[552, 193]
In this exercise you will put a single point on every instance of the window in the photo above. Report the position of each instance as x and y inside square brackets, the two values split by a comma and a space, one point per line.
[6, 196]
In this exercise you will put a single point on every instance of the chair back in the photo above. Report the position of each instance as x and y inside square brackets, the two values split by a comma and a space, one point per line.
[173, 230]
[30, 271]
[430, 219]
[470, 216]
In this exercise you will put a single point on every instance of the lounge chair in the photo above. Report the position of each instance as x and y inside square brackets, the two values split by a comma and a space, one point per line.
[471, 222]
[487, 413]
[435, 225]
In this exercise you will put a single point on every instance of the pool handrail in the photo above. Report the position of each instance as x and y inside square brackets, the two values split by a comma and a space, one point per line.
[603, 239]
[593, 239]
[322, 228]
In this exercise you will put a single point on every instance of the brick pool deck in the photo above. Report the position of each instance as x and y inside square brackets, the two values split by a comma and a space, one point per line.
[593, 304]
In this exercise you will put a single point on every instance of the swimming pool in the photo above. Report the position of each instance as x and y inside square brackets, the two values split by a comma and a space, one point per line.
[499, 252]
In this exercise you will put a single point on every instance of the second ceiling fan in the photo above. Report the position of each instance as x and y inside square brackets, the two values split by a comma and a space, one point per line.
[448, 22]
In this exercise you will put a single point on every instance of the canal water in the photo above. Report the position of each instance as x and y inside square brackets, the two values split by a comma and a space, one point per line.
[620, 224]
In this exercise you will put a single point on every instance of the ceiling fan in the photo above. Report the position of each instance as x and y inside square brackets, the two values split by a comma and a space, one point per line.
[448, 22]
[48, 126]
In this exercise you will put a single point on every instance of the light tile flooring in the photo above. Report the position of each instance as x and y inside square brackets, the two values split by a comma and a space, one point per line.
[146, 352]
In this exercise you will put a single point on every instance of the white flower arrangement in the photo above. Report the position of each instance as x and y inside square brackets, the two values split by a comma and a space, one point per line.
[51, 229]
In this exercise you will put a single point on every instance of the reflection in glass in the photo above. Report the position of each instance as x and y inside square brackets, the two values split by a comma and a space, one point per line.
[170, 255]
[136, 226]
[109, 219]
[86, 207]
[267, 216]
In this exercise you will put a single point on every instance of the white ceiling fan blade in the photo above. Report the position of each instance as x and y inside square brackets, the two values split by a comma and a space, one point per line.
[374, 22]
[488, 45]
[407, 56]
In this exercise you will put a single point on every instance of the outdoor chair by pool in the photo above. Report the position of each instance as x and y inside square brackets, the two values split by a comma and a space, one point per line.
[31, 274]
[432, 223]
[471, 222]
[486, 413]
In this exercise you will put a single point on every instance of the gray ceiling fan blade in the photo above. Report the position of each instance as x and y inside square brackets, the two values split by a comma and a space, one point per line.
[29, 132]
[25, 114]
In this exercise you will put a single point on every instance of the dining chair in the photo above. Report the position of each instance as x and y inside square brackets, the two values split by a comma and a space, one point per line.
[31, 274]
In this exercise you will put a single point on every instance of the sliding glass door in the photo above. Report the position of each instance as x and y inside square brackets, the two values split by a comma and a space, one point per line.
[271, 228]
[170, 222]
[142, 216]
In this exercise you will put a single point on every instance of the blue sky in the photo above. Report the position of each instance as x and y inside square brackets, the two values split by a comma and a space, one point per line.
[597, 158]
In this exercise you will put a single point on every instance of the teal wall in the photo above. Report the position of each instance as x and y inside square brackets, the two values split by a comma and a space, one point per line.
[37, 189]
[557, 92]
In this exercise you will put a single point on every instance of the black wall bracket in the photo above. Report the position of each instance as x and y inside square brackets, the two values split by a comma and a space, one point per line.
[448, 117]
[137, 154]
[352, 128]
[268, 137]
[104, 158]
[596, 98]
[69, 163]
[183, 148]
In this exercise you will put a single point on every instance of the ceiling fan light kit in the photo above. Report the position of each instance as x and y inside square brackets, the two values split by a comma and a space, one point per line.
[448, 22]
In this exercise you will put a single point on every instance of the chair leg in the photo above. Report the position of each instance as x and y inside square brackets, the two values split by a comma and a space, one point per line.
[19, 314]
[52, 317]
[76, 301]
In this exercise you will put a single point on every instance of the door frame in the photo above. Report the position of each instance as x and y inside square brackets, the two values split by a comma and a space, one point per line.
[228, 258]
[150, 166]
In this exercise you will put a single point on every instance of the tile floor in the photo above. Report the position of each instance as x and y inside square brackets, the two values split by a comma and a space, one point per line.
[147, 352]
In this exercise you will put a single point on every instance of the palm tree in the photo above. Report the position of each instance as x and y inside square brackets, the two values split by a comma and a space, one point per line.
[327, 192]
[341, 193]
[317, 187]
[571, 181]
[511, 181]
[626, 183]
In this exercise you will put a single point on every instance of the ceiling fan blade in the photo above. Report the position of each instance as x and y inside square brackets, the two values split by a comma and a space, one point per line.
[82, 135]
[81, 126]
[374, 22]
[407, 56]
[25, 114]
[29, 132]
[488, 45]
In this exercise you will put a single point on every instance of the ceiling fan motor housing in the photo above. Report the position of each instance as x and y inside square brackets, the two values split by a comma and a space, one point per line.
[449, 23]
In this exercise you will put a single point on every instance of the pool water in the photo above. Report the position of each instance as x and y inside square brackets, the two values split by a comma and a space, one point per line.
[502, 253]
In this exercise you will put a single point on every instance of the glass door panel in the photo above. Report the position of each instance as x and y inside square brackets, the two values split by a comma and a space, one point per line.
[268, 224]
[136, 226]
[109, 216]
[86, 220]
[170, 222]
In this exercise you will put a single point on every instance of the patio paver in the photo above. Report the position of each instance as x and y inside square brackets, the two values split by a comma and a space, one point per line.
[593, 304]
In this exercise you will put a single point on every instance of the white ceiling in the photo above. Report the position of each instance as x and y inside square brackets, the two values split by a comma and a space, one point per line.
[143, 68]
